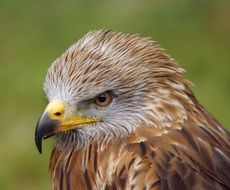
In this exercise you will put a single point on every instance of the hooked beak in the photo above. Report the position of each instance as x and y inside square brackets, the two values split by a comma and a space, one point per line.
[54, 121]
[46, 127]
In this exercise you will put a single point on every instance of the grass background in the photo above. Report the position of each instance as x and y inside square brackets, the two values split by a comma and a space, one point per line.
[34, 32]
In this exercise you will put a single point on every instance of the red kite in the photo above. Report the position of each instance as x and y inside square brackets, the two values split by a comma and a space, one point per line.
[123, 117]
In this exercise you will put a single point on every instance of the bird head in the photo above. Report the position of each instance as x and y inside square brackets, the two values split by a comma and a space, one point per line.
[105, 86]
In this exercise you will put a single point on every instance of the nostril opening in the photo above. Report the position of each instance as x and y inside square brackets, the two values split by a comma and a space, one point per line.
[57, 114]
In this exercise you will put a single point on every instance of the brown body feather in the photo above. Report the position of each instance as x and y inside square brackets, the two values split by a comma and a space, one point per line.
[193, 157]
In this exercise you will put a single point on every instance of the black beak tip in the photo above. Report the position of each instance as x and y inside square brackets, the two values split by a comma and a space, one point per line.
[38, 143]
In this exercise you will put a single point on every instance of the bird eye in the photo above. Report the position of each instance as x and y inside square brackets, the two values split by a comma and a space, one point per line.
[103, 99]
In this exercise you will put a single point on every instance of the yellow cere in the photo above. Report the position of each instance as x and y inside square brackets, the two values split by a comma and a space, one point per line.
[55, 109]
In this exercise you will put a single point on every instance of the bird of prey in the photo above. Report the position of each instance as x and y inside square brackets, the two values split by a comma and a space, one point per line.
[124, 117]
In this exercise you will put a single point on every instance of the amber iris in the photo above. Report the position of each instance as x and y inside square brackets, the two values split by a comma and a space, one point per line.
[103, 99]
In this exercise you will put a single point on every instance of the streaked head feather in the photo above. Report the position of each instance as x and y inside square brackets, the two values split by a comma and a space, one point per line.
[148, 86]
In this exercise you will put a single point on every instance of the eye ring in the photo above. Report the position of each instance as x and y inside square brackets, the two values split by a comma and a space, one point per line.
[103, 99]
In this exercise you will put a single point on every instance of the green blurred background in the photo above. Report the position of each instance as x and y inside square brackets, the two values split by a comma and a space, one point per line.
[34, 32]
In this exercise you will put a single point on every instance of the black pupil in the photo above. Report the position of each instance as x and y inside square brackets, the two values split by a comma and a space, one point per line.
[101, 98]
